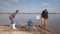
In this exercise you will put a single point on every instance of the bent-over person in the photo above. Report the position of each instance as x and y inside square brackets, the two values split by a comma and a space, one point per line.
[11, 17]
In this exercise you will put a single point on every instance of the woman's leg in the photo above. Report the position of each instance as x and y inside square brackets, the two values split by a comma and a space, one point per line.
[11, 20]
[12, 24]
[43, 22]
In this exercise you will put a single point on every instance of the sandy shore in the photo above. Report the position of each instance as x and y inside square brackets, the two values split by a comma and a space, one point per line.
[8, 30]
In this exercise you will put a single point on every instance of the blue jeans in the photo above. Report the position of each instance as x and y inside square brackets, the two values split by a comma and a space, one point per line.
[30, 25]
[11, 19]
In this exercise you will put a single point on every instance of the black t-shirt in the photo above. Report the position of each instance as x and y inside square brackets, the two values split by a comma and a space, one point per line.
[44, 14]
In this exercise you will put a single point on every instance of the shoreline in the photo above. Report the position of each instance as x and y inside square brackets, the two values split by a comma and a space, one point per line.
[8, 30]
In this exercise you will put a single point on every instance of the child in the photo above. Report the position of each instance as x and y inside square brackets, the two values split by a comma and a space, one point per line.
[11, 17]
[30, 24]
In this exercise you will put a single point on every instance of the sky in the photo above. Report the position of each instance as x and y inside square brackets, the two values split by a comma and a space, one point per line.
[30, 6]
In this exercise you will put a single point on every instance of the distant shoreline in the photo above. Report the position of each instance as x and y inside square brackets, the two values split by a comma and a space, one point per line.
[27, 13]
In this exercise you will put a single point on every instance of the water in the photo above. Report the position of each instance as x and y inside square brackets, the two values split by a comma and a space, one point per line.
[52, 24]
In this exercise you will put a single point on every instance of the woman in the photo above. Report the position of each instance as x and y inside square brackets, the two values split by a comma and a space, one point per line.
[44, 17]
[11, 17]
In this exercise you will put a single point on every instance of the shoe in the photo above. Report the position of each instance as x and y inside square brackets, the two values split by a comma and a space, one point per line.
[13, 26]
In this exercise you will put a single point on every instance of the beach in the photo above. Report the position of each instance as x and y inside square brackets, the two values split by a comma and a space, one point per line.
[52, 24]
[8, 30]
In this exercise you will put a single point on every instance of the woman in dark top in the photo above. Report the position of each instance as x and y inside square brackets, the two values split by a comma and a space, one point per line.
[44, 17]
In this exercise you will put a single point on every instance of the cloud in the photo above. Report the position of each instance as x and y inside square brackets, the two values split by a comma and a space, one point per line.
[15, 0]
[48, 6]
[45, 4]
[54, 0]
[59, 4]
[8, 2]
[4, 3]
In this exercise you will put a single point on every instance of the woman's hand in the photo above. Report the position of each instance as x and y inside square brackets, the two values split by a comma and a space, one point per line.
[16, 18]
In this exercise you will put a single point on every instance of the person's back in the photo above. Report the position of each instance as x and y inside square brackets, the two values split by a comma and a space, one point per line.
[30, 23]
[45, 14]
[13, 14]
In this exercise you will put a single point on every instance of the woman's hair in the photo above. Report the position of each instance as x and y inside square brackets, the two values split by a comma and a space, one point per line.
[17, 11]
[45, 10]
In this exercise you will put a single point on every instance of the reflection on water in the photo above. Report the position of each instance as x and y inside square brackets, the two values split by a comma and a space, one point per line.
[53, 22]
